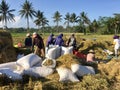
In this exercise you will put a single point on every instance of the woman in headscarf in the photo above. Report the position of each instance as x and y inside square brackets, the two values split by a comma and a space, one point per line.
[59, 40]
[50, 40]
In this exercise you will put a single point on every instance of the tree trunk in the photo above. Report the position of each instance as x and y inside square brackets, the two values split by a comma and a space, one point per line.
[27, 24]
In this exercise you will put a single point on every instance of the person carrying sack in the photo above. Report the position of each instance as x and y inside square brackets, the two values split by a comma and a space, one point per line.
[39, 45]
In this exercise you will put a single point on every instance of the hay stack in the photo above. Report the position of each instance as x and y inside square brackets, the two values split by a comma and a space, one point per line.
[112, 68]
[7, 52]
[67, 60]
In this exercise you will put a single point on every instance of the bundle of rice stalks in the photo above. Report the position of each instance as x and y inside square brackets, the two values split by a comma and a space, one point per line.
[94, 82]
[112, 68]
[48, 62]
[7, 52]
[98, 47]
[67, 60]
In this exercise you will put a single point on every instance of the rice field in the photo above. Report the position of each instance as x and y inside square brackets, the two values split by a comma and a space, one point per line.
[107, 77]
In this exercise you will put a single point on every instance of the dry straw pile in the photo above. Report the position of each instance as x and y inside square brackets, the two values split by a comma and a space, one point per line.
[7, 52]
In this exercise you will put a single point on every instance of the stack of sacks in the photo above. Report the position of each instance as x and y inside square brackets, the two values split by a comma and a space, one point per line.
[53, 52]
[32, 66]
[67, 50]
[69, 68]
[15, 70]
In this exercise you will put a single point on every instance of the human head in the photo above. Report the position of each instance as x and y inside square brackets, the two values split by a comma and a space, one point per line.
[52, 34]
[28, 35]
[73, 35]
[115, 37]
[34, 34]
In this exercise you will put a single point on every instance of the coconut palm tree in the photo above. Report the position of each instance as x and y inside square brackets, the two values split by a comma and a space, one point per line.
[40, 19]
[94, 25]
[27, 11]
[83, 18]
[67, 19]
[73, 18]
[5, 13]
[57, 18]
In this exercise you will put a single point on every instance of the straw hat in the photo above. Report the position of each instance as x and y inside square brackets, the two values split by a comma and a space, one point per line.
[91, 51]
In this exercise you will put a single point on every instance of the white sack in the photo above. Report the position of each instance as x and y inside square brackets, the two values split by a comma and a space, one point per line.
[39, 71]
[29, 60]
[20, 56]
[11, 65]
[80, 70]
[67, 50]
[66, 75]
[11, 74]
[49, 66]
[53, 52]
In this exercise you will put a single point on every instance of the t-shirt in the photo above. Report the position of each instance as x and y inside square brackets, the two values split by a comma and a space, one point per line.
[90, 57]
[117, 43]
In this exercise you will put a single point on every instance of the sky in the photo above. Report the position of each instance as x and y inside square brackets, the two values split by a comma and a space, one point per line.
[93, 8]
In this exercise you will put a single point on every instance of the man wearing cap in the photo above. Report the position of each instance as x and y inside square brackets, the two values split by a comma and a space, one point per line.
[38, 42]
[28, 41]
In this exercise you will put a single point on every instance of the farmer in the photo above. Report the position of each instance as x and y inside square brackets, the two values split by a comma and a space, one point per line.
[116, 43]
[28, 41]
[39, 45]
[72, 41]
[91, 56]
[50, 40]
[59, 40]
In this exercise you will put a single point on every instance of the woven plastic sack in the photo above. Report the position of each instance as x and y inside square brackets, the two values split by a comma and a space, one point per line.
[10, 65]
[66, 50]
[53, 52]
[29, 60]
[66, 75]
[80, 70]
[39, 71]
[11, 74]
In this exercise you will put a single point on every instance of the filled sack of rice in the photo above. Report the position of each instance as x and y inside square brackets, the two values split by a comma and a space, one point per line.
[53, 52]
[66, 75]
[11, 74]
[11, 65]
[51, 63]
[80, 70]
[66, 50]
[29, 61]
[38, 71]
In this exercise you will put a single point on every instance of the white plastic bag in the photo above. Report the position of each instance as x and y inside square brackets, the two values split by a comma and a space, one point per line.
[11, 65]
[29, 60]
[66, 75]
[53, 52]
[39, 71]
[11, 74]
[80, 70]
[67, 50]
